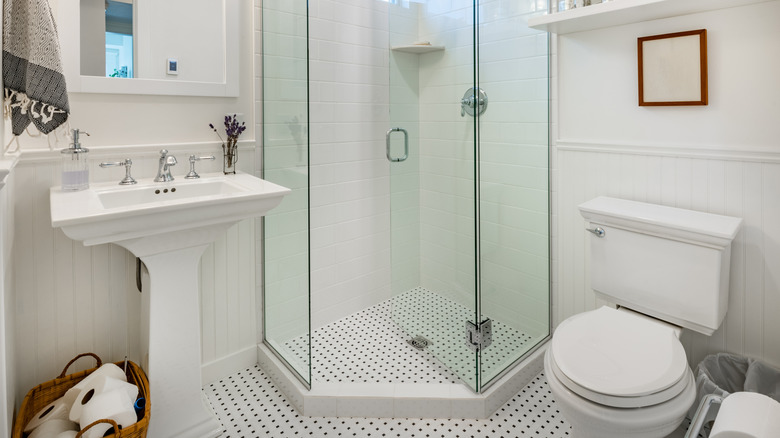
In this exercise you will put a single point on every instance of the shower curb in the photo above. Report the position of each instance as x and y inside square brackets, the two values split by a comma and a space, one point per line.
[399, 400]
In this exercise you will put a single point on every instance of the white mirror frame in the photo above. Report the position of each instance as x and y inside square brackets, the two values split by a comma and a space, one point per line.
[68, 27]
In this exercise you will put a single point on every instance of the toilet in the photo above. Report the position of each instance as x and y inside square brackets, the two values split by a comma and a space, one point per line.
[621, 371]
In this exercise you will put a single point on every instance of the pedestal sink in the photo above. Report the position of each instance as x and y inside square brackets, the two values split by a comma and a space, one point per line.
[168, 225]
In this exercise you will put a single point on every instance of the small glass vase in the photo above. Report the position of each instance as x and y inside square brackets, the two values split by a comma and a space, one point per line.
[229, 156]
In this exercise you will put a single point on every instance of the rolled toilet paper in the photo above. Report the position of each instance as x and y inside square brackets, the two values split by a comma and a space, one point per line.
[97, 386]
[67, 434]
[57, 410]
[747, 415]
[114, 405]
[107, 370]
[52, 428]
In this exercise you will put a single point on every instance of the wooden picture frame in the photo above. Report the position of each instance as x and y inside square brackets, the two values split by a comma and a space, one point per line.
[673, 69]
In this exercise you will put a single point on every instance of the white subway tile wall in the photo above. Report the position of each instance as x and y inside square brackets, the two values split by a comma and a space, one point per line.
[350, 203]
[513, 69]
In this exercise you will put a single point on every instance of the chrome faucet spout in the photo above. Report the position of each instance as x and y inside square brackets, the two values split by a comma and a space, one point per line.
[170, 161]
[164, 169]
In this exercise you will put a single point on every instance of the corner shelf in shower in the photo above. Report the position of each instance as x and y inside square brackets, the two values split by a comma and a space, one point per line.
[417, 48]
[619, 12]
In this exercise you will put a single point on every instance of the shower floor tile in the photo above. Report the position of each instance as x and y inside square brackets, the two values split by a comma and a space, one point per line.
[369, 347]
[248, 405]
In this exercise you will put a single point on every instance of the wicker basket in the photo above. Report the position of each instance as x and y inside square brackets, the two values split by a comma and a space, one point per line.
[47, 392]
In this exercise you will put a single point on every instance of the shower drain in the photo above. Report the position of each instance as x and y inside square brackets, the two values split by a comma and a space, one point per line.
[419, 342]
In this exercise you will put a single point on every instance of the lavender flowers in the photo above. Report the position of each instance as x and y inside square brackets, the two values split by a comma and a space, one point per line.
[232, 130]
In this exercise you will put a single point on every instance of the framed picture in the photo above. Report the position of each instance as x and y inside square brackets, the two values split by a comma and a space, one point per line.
[673, 69]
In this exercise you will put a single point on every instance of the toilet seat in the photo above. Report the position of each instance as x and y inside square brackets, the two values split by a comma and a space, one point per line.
[620, 359]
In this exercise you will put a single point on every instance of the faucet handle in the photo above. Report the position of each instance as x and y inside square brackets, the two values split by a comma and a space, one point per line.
[192, 174]
[128, 179]
[163, 152]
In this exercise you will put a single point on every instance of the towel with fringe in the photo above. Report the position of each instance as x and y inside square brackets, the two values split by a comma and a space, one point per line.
[35, 89]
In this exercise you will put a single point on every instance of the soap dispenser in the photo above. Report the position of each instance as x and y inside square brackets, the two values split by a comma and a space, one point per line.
[75, 169]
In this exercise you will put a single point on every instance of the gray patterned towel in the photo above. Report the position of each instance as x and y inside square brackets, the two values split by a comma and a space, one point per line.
[32, 71]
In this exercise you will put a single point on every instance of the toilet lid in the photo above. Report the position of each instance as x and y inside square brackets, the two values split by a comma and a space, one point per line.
[619, 355]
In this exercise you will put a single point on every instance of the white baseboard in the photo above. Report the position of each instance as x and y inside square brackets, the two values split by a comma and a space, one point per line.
[230, 364]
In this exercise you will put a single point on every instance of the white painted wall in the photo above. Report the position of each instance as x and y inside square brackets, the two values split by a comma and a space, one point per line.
[722, 158]
[132, 120]
[195, 39]
[71, 299]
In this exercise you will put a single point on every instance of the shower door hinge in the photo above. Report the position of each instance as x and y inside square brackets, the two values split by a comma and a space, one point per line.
[479, 336]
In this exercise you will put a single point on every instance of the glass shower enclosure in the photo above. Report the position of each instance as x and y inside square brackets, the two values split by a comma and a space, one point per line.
[461, 126]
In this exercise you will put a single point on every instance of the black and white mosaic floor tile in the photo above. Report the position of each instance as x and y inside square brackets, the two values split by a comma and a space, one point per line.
[367, 347]
[248, 405]
[370, 346]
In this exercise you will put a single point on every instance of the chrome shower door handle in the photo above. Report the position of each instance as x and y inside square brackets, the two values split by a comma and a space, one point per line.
[387, 145]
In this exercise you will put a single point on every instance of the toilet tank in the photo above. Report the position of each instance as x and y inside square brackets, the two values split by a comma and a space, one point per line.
[670, 263]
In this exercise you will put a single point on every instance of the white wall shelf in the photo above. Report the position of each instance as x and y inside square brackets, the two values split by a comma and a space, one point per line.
[417, 48]
[618, 12]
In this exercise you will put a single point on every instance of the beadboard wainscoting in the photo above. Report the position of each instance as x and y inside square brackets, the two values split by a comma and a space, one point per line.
[7, 354]
[72, 299]
[745, 185]
[721, 158]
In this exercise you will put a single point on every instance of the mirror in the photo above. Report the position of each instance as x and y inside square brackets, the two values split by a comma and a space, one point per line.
[108, 38]
[150, 47]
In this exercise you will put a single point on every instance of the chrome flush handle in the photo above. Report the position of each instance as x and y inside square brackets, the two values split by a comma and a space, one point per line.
[598, 231]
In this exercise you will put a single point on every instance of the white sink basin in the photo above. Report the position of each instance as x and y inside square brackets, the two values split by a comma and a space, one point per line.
[108, 212]
[168, 225]
[139, 196]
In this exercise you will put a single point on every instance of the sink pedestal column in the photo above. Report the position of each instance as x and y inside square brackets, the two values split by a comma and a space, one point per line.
[170, 329]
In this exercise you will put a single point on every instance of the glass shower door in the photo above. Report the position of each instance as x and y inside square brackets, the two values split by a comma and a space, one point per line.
[433, 187]
[286, 304]
[469, 205]
[513, 183]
